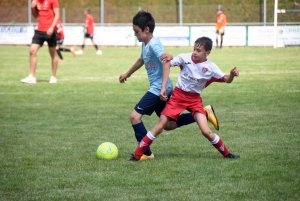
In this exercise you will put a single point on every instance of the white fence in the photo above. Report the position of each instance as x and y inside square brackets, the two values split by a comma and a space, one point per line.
[169, 35]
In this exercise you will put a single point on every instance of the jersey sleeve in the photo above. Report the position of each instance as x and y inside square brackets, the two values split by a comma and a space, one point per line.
[177, 61]
[157, 49]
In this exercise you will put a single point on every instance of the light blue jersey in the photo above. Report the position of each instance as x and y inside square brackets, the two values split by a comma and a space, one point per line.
[154, 67]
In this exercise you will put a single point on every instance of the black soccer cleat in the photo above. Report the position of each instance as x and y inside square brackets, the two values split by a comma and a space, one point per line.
[132, 158]
[233, 156]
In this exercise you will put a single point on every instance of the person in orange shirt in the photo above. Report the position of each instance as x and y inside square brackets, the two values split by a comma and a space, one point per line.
[89, 32]
[220, 26]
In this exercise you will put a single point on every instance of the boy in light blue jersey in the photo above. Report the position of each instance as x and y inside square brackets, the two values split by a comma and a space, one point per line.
[152, 51]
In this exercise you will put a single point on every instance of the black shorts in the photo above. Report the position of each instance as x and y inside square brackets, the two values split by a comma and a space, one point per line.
[217, 32]
[41, 36]
[89, 36]
[59, 41]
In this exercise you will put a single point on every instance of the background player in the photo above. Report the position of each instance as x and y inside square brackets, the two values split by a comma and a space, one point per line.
[196, 73]
[47, 13]
[152, 50]
[60, 40]
[221, 21]
[89, 32]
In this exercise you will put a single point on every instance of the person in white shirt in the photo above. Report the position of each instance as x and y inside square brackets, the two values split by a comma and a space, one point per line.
[197, 72]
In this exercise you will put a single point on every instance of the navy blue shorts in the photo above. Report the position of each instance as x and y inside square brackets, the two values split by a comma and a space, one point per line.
[150, 103]
[40, 37]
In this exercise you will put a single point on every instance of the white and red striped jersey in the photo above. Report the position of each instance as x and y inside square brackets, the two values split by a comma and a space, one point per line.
[194, 77]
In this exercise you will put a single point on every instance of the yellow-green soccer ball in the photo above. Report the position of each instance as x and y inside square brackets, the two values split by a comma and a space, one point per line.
[107, 151]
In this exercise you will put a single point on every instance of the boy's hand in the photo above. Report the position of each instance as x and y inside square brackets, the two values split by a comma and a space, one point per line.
[166, 56]
[123, 78]
[234, 72]
[163, 94]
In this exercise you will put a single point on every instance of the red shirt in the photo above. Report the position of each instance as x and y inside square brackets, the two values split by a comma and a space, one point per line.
[89, 21]
[61, 34]
[45, 10]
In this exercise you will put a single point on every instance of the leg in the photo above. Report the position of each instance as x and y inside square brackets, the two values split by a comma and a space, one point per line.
[139, 129]
[33, 51]
[99, 52]
[150, 137]
[54, 60]
[221, 40]
[217, 38]
[186, 119]
[215, 140]
[58, 51]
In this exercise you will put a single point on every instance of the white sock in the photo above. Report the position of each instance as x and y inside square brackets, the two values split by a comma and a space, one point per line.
[150, 136]
[216, 140]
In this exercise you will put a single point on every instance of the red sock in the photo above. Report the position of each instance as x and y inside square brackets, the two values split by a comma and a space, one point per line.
[220, 146]
[143, 145]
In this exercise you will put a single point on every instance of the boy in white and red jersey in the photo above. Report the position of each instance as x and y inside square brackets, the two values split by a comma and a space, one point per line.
[89, 32]
[47, 12]
[60, 40]
[197, 72]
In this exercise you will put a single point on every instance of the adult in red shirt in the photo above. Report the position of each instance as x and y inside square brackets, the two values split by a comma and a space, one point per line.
[47, 12]
[89, 31]
[60, 40]
[221, 21]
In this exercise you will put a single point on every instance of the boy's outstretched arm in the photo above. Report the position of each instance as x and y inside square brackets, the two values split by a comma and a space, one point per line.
[139, 63]
[166, 71]
[229, 78]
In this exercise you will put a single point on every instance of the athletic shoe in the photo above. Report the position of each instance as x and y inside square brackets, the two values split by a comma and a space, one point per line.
[145, 157]
[233, 156]
[52, 80]
[79, 52]
[132, 158]
[29, 79]
[211, 116]
[73, 51]
[99, 52]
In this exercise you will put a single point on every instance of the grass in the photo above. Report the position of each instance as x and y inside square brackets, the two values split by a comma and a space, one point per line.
[49, 133]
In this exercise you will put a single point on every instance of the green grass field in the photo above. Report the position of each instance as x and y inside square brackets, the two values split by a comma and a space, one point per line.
[49, 133]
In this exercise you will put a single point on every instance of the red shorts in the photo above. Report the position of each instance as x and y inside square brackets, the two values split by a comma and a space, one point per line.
[182, 100]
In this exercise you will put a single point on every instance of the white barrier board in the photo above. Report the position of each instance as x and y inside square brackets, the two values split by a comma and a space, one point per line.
[169, 35]
[16, 34]
[264, 36]
[234, 35]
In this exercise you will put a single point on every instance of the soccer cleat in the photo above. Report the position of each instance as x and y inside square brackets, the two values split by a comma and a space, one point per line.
[233, 156]
[99, 52]
[73, 51]
[79, 52]
[211, 116]
[52, 80]
[29, 79]
[132, 158]
[145, 157]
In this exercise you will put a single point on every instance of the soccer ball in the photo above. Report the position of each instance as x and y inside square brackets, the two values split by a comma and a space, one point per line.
[107, 151]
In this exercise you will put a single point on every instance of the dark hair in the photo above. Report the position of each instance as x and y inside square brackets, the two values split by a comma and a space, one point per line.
[205, 42]
[144, 19]
[88, 10]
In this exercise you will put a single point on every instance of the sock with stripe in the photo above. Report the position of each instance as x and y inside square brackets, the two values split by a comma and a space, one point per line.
[143, 145]
[220, 146]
